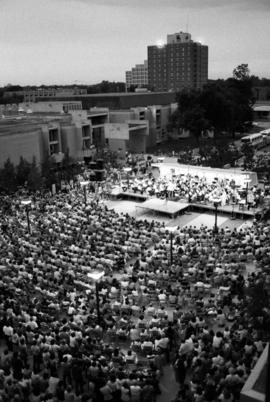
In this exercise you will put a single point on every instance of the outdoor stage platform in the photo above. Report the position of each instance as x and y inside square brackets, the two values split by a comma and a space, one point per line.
[172, 208]
[236, 211]
[166, 207]
[118, 193]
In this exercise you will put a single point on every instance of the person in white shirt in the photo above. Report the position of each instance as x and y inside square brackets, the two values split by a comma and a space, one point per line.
[8, 332]
[217, 340]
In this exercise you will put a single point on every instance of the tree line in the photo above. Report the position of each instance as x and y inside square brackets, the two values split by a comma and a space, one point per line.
[221, 106]
[102, 87]
[34, 177]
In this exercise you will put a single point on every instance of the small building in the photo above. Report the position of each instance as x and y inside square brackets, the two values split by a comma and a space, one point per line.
[116, 101]
[130, 136]
[137, 76]
[261, 112]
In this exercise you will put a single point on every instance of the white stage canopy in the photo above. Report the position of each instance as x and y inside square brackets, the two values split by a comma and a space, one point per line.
[239, 176]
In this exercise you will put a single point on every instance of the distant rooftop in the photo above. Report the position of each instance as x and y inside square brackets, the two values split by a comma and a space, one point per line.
[30, 123]
[118, 100]
[262, 108]
[114, 94]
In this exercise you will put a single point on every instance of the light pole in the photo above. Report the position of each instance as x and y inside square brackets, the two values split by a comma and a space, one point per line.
[96, 276]
[216, 203]
[84, 185]
[233, 198]
[127, 170]
[172, 230]
[26, 204]
[171, 247]
[247, 181]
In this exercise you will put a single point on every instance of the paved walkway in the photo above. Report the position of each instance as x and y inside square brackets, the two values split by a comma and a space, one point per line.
[168, 385]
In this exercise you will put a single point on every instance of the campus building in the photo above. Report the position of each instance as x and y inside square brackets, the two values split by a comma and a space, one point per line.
[50, 107]
[117, 100]
[261, 113]
[55, 127]
[137, 76]
[32, 95]
[138, 129]
[180, 63]
[41, 135]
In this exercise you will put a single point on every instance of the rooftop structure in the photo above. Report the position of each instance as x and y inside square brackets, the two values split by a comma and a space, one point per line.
[123, 100]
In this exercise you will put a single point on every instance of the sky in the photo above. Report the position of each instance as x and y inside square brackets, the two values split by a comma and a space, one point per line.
[87, 41]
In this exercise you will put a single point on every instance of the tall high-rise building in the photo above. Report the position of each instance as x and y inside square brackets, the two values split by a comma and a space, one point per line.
[137, 76]
[180, 63]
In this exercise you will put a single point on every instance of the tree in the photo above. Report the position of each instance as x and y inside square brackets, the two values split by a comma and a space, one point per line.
[34, 177]
[8, 177]
[248, 153]
[68, 166]
[241, 72]
[106, 86]
[241, 99]
[22, 171]
[224, 106]
[194, 121]
[48, 172]
[190, 114]
[214, 99]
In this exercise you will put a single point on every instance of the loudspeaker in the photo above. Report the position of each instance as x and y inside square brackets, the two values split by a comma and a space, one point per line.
[93, 165]
[92, 177]
[100, 175]
[100, 164]
[87, 160]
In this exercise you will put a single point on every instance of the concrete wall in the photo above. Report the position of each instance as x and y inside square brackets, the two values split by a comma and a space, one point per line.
[118, 145]
[137, 141]
[45, 128]
[119, 101]
[79, 116]
[248, 393]
[26, 144]
[117, 131]
[50, 107]
[71, 139]
[121, 116]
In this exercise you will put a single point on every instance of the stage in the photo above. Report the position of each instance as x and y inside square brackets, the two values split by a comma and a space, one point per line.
[118, 193]
[166, 207]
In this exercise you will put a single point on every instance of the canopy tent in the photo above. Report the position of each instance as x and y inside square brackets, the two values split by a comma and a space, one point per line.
[240, 177]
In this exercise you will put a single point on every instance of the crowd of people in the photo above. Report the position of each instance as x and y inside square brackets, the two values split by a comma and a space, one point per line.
[162, 299]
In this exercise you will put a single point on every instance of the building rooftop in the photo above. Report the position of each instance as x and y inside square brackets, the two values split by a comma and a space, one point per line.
[262, 108]
[30, 123]
[115, 94]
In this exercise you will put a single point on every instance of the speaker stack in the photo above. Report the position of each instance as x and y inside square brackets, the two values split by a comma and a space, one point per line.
[93, 165]
[100, 175]
[100, 164]
[87, 160]
[98, 172]
[93, 176]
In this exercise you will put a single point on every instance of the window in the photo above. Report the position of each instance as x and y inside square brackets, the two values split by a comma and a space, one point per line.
[87, 144]
[85, 131]
[53, 135]
[54, 149]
